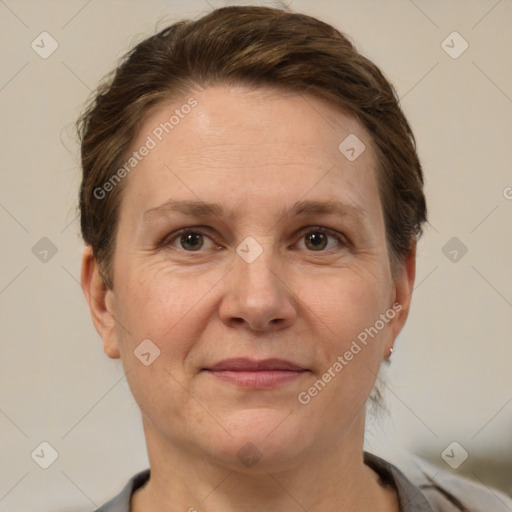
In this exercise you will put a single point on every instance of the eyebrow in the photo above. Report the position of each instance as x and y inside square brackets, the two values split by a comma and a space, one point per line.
[205, 209]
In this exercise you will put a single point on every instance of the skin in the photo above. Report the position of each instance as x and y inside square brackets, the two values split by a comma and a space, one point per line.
[255, 153]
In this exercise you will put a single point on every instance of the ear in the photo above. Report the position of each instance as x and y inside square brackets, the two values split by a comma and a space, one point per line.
[403, 286]
[101, 303]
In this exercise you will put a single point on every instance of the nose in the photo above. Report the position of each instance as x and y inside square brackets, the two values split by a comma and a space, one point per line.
[258, 295]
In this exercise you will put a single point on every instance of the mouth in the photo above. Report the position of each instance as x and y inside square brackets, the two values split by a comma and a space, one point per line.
[248, 373]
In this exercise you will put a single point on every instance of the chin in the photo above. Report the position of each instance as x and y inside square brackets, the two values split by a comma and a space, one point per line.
[260, 440]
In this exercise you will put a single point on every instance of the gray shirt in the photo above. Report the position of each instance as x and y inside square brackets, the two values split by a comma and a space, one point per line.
[433, 490]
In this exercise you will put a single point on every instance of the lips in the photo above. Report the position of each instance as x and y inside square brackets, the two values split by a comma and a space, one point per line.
[249, 365]
[253, 374]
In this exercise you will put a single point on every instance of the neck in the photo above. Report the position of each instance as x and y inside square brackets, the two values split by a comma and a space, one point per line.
[327, 478]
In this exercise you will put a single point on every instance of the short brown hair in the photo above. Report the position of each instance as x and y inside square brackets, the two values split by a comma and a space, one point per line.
[254, 46]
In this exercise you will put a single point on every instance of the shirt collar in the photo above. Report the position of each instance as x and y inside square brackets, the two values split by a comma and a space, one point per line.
[410, 497]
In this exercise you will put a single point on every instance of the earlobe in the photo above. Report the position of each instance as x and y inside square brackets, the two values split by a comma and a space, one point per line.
[101, 303]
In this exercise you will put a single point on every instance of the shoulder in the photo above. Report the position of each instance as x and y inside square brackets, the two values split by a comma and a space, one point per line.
[447, 491]
[121, 502]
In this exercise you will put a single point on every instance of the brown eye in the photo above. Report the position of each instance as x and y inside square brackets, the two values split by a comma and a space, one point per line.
[191, 241]
[316, 240]
[188, 240]
[319, 239]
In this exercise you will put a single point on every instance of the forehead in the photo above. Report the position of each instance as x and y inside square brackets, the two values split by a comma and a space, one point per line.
[239, 141]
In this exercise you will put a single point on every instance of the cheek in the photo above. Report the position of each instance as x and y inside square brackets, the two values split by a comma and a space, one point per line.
[351, 335]
[165, 307]
[347, 304]
[172, 313]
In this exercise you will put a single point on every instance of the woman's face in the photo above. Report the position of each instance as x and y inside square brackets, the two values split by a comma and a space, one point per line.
[251, 252]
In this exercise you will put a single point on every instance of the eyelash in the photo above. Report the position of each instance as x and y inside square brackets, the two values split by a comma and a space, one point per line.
[168, 240]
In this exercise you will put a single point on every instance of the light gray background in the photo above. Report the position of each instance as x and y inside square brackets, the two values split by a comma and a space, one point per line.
[450, 378]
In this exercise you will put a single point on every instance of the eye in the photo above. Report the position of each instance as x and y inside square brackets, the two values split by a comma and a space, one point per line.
[318, 239]
[190, 240]
[315, 239]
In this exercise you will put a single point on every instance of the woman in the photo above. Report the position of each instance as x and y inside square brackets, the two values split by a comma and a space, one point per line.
[251, 201]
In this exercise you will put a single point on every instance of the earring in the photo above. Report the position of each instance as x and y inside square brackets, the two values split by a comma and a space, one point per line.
[390, 352]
